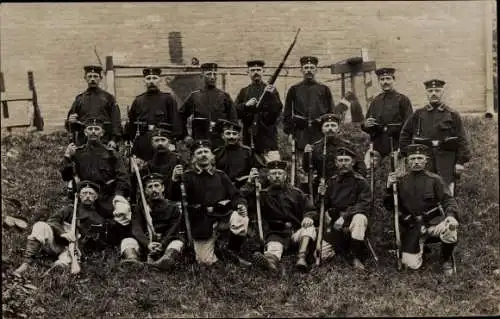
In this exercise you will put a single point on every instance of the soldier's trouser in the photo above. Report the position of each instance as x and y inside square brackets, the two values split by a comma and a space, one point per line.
[132, 243]
[275, 248]
[205, 249]
[446, 236]
[43, 233]
[357, 229]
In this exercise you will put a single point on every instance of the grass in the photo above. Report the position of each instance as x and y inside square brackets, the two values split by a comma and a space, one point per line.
[29, 174]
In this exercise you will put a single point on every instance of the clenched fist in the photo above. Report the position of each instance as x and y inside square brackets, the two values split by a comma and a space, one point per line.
[70, 150]
[177, 173]
[154, 247]
[252, 102]
[73, 118]
[307, 222]
[308, 148]
[370, 122]
[242, 210]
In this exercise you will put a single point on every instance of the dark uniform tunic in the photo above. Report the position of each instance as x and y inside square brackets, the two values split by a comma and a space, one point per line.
[207, 189]
[234, 160]
[162, 163]
[152, 107]
[210, 103]
[310, 100]
[437, 123]
[167, 222]
[283, 209]
[419, 192]
[95, 229]
[102, 166]
[265, 132]
[99, 104]
[388, 108]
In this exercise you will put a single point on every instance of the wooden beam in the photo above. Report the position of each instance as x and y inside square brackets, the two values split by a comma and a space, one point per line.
[110, 76]
[340, 68]
[488, 34]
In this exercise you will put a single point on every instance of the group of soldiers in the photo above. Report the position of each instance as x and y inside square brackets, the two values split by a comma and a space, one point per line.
[156, 206]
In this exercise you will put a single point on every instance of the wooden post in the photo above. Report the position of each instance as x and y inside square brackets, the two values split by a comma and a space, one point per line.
[488, 33]
[5, 106]
[110, 76]
[223, 82]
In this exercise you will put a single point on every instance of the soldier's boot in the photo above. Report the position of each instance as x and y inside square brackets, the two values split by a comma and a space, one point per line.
[301, 264]
[268, 261]
[32, 248]
[168, 260]
[447, 258]
[233, 251]
[357, 250]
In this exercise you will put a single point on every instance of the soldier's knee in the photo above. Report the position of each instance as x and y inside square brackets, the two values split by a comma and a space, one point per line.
[327, 250]
[238, 224]
[412, 261]
[274, 248]
[358, 226]
[204, 251]
[176, 244]
[41, 232]
[129, 243]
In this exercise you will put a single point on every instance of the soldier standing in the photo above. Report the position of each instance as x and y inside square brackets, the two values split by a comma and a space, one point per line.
[152, 108]
[95, 103]
[428, 210]
[305, 102]
[438, 122]
[207, 106]
[259, 122]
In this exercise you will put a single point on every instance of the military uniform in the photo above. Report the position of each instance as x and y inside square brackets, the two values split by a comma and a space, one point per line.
[421, 194]
[437, 122]
[265, 133]
[212, 199]
[306, 100]
[152, 108]
[388, 107]
[96, 103]
[209, 103]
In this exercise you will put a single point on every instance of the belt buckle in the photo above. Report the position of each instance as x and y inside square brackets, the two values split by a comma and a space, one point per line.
[435, 143]
[151, 127]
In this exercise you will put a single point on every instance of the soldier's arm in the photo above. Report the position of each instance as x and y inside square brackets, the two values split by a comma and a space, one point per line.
[406, 135]
[405, 108]
[369, 113]
[309, 210]
[61, 215]
[72, 109]
[132, 118]
[176, 227]
[230, 108]
[66, 168]
[360, 166]
[463, 152]
[232, 192]
[137, 225]
[186, 110]
[272, 108]
[447, 201]
[122, 177]
[239, 104]
[175, 117]
[362, 204]
[116, 121]
[287, 114]
[329, 99]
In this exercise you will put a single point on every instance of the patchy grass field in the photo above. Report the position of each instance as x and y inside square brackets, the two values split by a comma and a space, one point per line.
[29, 174]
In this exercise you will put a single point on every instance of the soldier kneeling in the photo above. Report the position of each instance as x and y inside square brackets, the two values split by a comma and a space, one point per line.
[428, 211]
[347, 202]
[286, 217]
[168, 237]
[92, 229]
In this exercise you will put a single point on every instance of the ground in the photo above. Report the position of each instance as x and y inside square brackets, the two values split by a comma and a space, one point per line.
[29, 175]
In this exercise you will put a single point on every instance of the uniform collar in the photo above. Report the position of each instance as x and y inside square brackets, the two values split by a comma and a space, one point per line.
[210, 170]
[440, 107]
[92, 90]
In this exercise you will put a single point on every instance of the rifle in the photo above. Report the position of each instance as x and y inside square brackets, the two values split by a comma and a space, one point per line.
[272, 80]
[310, 172]
[294, 163]
[37, 116]
[147, 215]
[73, 250]
[396, 206]
[319, 241]
[258, 188]
[185, 213]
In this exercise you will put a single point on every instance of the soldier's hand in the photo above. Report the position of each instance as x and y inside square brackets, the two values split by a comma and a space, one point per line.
[370, 122]
[290, 138]
[177, 173]
[154, 247]
[308, 148]
[252, 102]
[307, 222]
[140, 163]
[254, 173]
[328, 219]
[188, 140]
[242, 210]
[70, 150]
[322, 188]
[111, 145]
[69, 236]
[392, 178]
[73, 118]
[459, 169]
[339, 223]
[270, 88]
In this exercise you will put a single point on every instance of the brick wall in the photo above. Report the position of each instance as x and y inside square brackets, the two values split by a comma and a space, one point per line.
[421, 39]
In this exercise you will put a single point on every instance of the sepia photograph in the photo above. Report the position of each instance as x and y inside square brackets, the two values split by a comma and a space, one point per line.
[249, 159]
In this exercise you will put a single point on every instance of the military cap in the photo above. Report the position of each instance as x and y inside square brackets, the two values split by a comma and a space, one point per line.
[86, 183]
[385, 71]
[200, 144]
[308, 59]
[162, 129]
[329, 117]
[416, 149]
[345, 151]
[223, 125]
[151, 71]
[277, 165]
[260, 63]
[209, 67]
[152, 177]
[94, 122]
[434, 83]
[92, 68]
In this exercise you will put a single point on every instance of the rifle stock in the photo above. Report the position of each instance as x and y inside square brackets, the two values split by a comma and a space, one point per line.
[75, 263]
[396, 207]
[147, 216]
[294, 160]
[258, 187]
[185, 213]
[319, 240]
